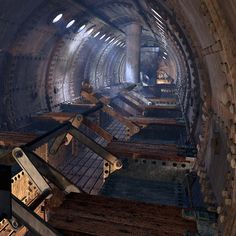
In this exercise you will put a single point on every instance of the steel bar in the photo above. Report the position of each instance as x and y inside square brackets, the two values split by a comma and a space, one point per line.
[25, 163]
[50, 173]
[97, 148]
[31, 220]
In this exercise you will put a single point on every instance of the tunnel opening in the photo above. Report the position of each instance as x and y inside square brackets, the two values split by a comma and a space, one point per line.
[142, 93]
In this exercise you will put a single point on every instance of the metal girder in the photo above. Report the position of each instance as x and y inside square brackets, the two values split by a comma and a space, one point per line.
[31, 220]
[116, 164]
[36, 166]
[30, 169]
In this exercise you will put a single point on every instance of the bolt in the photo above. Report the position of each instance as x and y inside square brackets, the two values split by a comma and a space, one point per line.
[18, 153]
[118, 164]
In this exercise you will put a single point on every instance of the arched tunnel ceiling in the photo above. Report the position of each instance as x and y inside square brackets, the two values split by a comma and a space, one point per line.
[43, 63]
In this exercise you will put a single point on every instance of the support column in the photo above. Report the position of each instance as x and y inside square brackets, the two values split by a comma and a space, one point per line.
[132, 67]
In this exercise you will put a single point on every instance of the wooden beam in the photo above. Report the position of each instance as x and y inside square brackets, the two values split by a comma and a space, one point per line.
[110, 111]
[56, 116]
[98, 215]
[97, 148]
[162, 107]
[13, 139]
[97, 129]
[164, 100]
[156, 121]
[146, 151]
[63, 117]
[131, 102]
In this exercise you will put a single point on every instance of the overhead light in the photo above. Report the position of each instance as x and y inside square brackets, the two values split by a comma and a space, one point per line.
[103, 36]
[160, 26]
[81, 28]
[158, 20]
[90, 31]
[156, 13]
[115, 42]
[96, 34]
[165, 53]
[57, 18]
[164, 58]
[107, 39]
[70, 24]
[112, 40]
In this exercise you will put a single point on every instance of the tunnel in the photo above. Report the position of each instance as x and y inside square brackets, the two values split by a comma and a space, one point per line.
[100, 60]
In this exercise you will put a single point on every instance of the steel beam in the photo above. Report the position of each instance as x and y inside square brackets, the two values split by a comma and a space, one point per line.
[30, 169]
[97, 148]
[32, 161]
[31, 220]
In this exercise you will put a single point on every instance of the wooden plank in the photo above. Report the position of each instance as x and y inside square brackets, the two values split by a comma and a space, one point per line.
[156, 121]
[14, 139]
[162, 107]
[110, 111]
[146, 151]
[97, 129]
[56, 116]
[99, 215]
[164, 100]
[63, 117]
[126, 98]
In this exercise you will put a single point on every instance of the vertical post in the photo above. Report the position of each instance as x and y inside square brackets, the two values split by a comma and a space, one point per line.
[133, 39]
[5, 192]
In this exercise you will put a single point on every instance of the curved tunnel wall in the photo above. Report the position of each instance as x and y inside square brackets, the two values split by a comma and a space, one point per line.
[43, 64]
